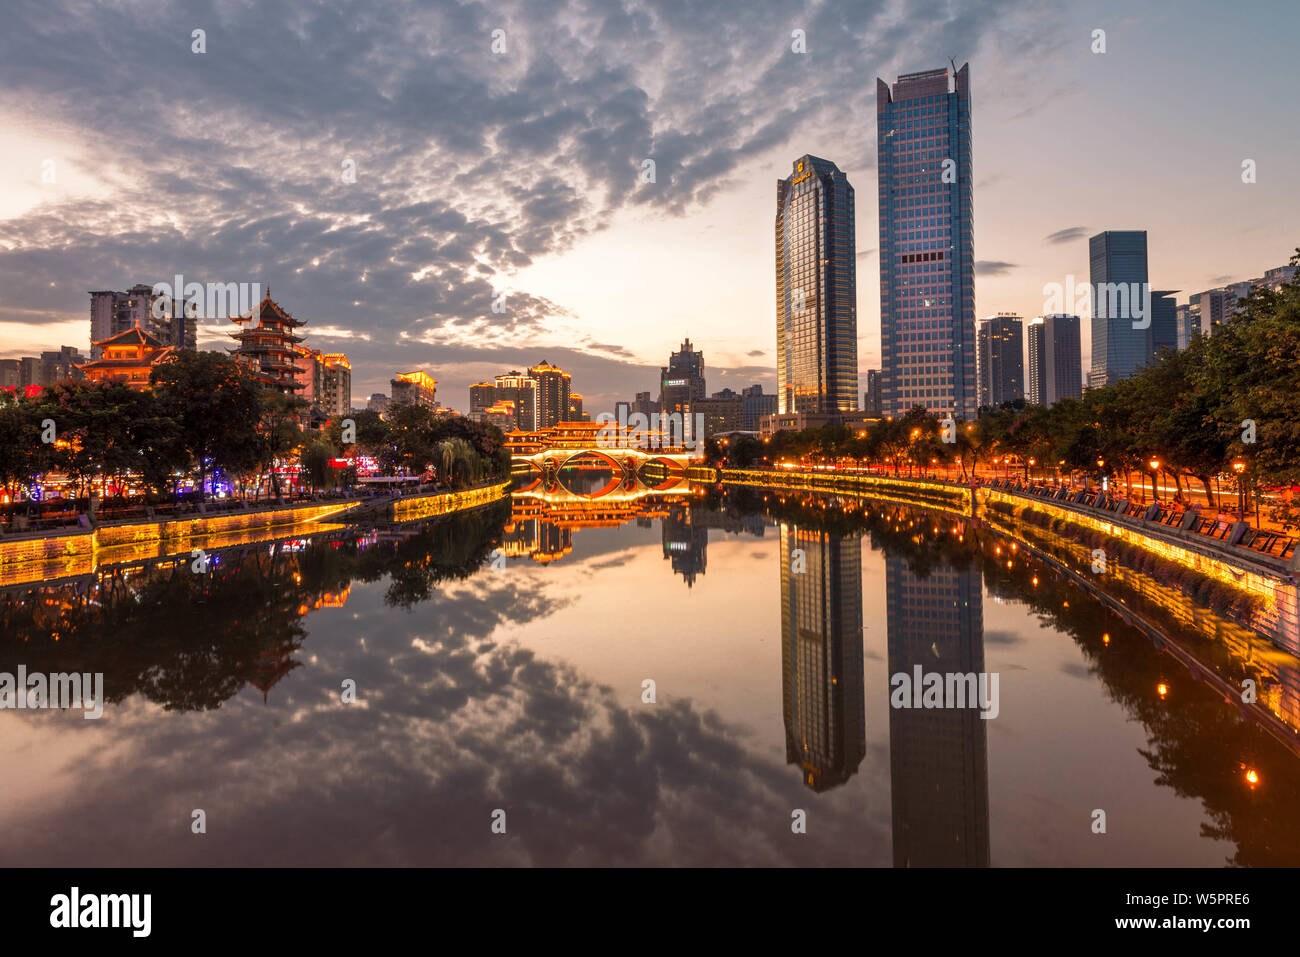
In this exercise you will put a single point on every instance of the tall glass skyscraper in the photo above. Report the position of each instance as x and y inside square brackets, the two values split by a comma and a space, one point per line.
[927, 259]
[816, 290]
[1055, 363]
[1121, 342]
[1001, 365]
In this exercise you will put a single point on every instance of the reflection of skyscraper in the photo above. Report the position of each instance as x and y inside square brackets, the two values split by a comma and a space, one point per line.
[938, 756]
[821, 655]
[685, 544]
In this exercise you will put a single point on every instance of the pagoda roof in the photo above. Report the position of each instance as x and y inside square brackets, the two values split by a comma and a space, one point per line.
[269, 312]
[133, 336]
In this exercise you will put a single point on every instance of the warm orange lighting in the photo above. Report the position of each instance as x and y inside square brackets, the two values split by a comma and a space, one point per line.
[1162, 689]
[1105, 639]
[1252, 777]
[1155, 465]
[1035, 581]
[1239, 466]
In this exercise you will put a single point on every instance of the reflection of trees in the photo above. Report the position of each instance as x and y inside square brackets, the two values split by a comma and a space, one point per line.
[189, 642]
[1197, 746]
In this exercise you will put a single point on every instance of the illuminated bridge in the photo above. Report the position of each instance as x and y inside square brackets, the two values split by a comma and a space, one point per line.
[538, 458]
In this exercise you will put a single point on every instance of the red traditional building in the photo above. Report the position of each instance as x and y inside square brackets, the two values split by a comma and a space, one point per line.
[129, 357]
[268, 349]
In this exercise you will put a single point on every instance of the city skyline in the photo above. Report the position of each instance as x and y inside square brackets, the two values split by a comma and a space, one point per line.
[580, 248]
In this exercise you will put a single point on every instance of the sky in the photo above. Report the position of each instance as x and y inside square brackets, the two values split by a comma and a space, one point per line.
[507, 167]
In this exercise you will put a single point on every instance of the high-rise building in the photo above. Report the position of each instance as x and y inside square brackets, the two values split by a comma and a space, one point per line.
[754, 405]
[1186, 328]
[927, 257]
[417, 388]
[482, 395]
[1121, 332]
[334, 398]
[1001, 367]
[938, 767]
[575, 408]
[822, 681]
[723, 412]
[9, 373]
[378, 403]
[873, 398]
[553, 387]
[1055, 359]
[520, 389]
[644, 405]
[816, 290]
[681, 382]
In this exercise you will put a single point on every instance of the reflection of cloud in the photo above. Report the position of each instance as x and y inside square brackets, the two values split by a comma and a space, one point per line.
[996, 637]
[452, 727]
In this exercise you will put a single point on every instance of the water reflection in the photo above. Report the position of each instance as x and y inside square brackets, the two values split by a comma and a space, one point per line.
[224, 692]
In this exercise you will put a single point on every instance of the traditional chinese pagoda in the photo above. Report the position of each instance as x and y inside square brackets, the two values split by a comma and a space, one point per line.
[267, 348]
[128, 357]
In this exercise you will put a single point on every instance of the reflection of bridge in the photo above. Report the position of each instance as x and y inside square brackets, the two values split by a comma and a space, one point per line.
[633, 472]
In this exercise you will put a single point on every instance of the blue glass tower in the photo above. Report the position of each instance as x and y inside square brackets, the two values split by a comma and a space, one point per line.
[1121, 341]
[927, 259]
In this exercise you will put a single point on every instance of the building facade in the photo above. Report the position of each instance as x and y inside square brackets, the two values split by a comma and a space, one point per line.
[416, 388]
[1055, 359]
[522, 390]
[927, 264]
[553, 388]
[681, 382]
[754, 405]
[128, 357]
[816, 290]
[1000, 366]
[1121, 336]
[873, 398]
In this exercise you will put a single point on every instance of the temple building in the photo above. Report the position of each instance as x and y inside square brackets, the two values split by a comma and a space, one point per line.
[129, 357]
[267, 349]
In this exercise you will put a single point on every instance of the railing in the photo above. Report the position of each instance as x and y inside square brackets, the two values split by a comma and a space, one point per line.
[1189, 519]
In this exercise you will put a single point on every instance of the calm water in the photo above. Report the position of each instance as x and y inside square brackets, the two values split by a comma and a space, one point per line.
[499, 661]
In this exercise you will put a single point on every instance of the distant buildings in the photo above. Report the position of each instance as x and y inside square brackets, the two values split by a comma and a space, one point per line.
[681, 382]
[128, 357]
[378, 403]
[1206, 311]
[723, 412]
[754, 405]
[482, 395]
[1055, 359]
[927, 265]
[816, 290]
[36, 372]
[575, 409]
[415, 388]
[1000, 367]
[114, 312]
[522, 390]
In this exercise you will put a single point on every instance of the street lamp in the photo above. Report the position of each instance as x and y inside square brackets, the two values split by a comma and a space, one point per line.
[1240, 468]
[1155, 477]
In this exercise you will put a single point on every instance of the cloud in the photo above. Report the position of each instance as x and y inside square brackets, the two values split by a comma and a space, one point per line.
[755, 353]
[1068, 235]
[993, 267]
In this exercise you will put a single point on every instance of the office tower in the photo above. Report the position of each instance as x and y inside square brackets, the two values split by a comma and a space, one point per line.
[552, 394]
[723, 412]
[754, 404]
[822, 684]
[816, 290]
[681, 382]
[520, 389]
[1000, 367]
[938, 757]
[575, 408]
[873, 399]
[927, 258]
[1121, 326]
[1055, 359]
[378, 403]
[1164, 321]
[268, 349]
[416, 388]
